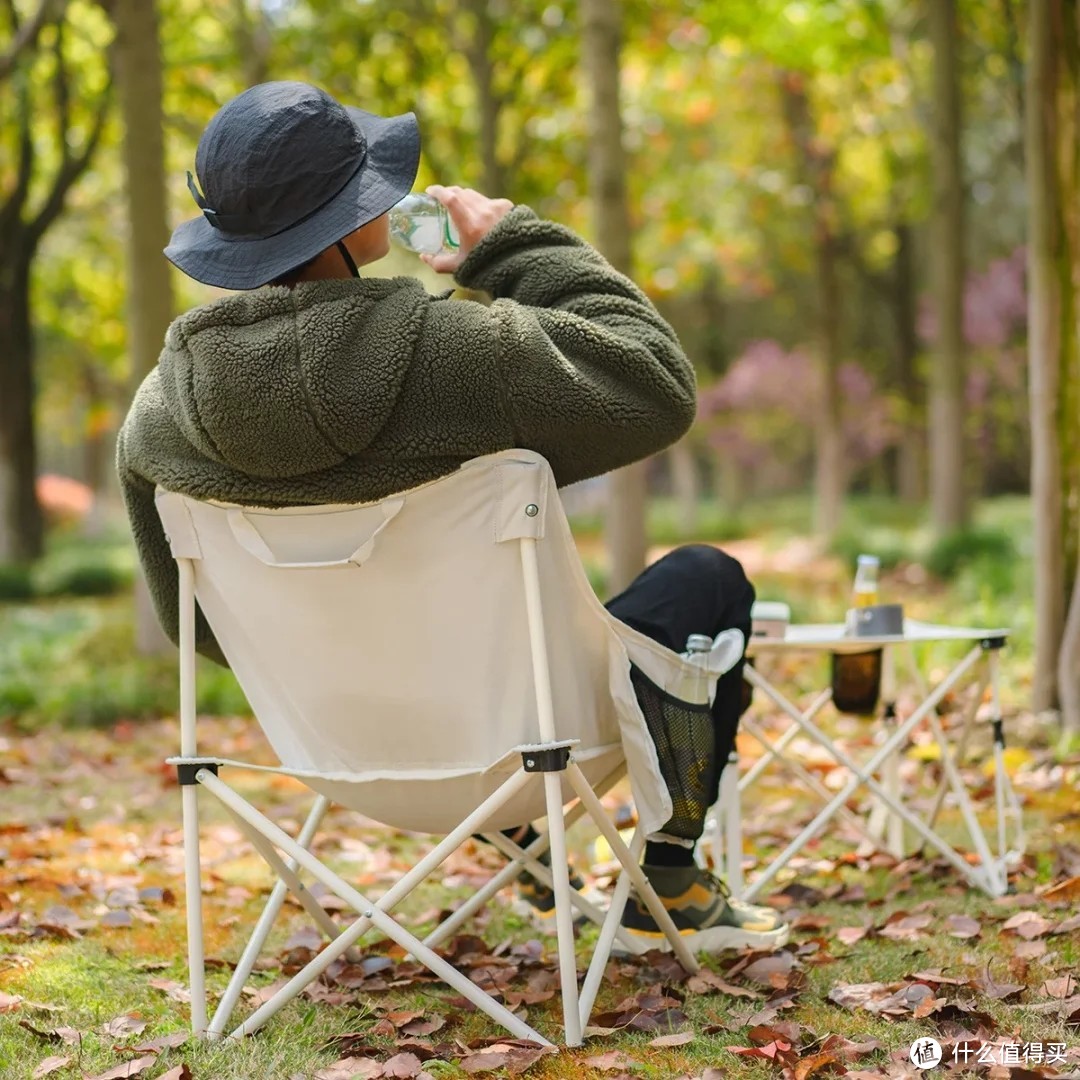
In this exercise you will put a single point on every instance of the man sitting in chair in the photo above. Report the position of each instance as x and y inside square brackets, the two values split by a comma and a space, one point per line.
[319, 386]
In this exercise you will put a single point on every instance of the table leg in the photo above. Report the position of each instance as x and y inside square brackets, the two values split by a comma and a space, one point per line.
[882, 823]
[865, 776]
[804, 723]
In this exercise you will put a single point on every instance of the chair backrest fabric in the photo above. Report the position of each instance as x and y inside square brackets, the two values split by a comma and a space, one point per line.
[390, 640]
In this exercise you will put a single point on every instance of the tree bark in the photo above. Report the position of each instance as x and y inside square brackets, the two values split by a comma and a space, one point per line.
[815, 166]
[21, 524]
[1068, 671]
[948, 497]
[601, 42]
[477, 49]
[252, 40]
[910, 463]
[149, 298]
[830, 481]
[685, 485]
[1045, 311]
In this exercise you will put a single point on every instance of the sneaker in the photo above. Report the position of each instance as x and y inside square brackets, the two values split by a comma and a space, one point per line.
[536, 900]
[704, 912]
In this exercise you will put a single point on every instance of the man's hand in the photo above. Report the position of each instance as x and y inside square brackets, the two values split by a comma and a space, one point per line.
[474, 215]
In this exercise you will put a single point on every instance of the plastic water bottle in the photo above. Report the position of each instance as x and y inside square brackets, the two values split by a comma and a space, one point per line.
[865, 591]
[421, 223]
[694, 686]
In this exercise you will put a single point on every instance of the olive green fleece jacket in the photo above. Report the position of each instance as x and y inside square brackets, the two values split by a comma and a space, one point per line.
[350, 390]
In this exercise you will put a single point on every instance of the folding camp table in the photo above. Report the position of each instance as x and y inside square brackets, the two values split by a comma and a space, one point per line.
[880, 772]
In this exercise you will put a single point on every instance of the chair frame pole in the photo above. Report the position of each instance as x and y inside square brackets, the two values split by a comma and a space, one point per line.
[265, 924]
[560, 869]
[373, 913]
[189, 797]
[519, 860]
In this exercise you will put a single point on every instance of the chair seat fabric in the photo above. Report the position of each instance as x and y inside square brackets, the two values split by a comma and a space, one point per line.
[386, 645]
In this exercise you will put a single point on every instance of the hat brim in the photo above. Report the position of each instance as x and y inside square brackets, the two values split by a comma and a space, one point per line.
[228, 261]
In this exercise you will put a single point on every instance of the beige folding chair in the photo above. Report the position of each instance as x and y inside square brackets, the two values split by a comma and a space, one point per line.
[437, 661]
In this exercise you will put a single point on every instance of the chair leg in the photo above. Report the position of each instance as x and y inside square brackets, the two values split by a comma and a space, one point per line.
[193, 904]
[263, 927]
[564, 922]
[728, 839]
[631, 867]
[608, 932]
[376, 913]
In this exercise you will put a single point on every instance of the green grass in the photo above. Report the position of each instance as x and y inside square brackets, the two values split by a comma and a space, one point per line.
[88, 786]
[97, 814]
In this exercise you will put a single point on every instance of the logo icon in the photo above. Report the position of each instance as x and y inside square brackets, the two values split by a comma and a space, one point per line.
[925, 1053]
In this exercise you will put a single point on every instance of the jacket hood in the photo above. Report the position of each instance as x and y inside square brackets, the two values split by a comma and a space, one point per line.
[265, 382]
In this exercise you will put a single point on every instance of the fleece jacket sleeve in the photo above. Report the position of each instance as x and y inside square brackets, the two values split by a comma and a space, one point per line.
[592, 376]
[156, 558]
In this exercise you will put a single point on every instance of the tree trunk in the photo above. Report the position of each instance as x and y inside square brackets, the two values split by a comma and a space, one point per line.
[830, 479]
[601, 40]
[149, 298]
[713, 350]
[685, 486]
[1068, 672]
[1045, 311]
[1066, 33]
[815, 167]
[910, 464]
[948, 498]
[477, 50]
[21, 525]
[252, 40]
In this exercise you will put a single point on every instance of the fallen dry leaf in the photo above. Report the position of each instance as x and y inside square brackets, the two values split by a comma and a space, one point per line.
[849, 935]
[770, 1051]
[766, 969]
[349, 1067]
[128, 1069]
[1027, 924]
[402, 1066]
[679, 1039]
[181, 1072]
[903, 927]
[1064, 987]
[1069, 889]
[172, 988]
[1030, 950]
[163, 1042]
[815, 1063]
[122, 1027]
[706, 981]
[962, 926]
[51, 1065]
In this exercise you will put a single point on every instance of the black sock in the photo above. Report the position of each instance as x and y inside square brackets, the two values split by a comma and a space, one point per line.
[657, 853]
[522, 835]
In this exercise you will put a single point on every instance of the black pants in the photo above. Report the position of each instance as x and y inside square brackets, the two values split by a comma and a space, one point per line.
[695, 589]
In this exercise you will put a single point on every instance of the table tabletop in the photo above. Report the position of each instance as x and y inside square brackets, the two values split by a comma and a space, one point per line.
[833, 637]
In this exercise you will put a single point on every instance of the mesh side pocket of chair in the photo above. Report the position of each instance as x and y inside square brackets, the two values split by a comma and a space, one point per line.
[856, 681]
[686, 748]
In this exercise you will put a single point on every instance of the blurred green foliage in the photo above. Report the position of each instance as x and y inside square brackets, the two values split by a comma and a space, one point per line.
[72, 662]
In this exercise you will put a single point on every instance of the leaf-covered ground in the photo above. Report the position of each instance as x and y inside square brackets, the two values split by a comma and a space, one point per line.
[92, 968]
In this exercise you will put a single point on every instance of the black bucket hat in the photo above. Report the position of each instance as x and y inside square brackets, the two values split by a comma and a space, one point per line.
[286, 171]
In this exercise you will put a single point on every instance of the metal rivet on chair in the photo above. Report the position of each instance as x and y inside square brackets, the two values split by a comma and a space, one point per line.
[530, 763]
[532, 510]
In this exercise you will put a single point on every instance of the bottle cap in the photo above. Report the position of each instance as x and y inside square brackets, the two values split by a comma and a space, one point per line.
[868, 560]
[699, 643]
